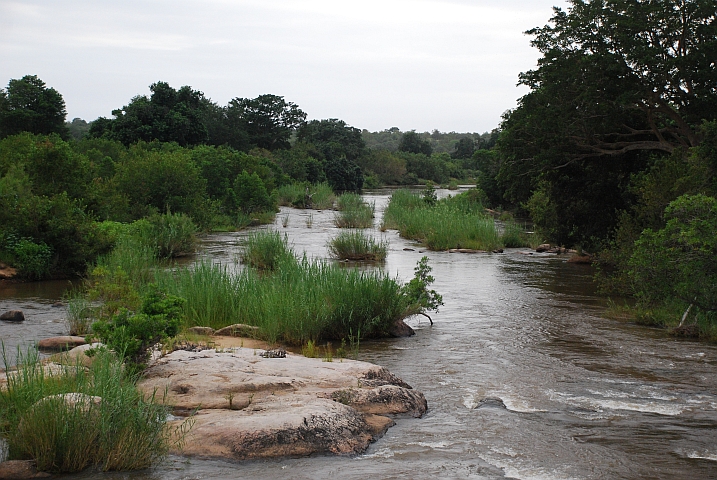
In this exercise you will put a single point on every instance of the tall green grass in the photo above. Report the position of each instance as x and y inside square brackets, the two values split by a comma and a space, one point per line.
[263, 250]
[455, 222]
[297, 301]
[170, 235]
[357, 246]
[306, 195]
[353, 212]
[123, 430]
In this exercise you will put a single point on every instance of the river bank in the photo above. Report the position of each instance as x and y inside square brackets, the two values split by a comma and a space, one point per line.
[524, 377]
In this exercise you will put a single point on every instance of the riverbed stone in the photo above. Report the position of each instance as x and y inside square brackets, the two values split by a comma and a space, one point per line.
[581, 259]
[13, 316]
[399, 329]
[58, 344]
[237, 330]
[20, 469]
[254, 407]
[77, 355]
[201, 330]
[543, 248]
[7, 272]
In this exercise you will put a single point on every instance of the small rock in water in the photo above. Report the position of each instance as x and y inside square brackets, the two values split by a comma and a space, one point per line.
[13, 316]
[57, 304]
[408, 250]
[491, 402]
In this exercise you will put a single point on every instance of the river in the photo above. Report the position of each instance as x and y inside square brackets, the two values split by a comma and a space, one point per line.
[524, 378]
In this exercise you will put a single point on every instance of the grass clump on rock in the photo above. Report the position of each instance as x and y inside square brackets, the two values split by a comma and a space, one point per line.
[454, 222]
[71, 418]
[357, 246]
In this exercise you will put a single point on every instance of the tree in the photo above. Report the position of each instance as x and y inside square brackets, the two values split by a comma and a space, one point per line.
[268, 120]
[464, 148]
[411, 142]
[29, 106]
[620, 82]
[333, 138]
[622, 75]
[168, 115]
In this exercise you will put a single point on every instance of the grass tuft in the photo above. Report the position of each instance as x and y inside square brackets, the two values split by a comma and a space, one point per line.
[357, 246]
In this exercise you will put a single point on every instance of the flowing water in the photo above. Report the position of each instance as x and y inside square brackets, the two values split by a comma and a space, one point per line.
[524, 378]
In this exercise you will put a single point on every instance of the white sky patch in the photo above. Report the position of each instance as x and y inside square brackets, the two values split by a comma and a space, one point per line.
[414, 64]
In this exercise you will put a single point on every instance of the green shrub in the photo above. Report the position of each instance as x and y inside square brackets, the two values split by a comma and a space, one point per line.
[122, 431]
[358, 247]
[514, 236]
[132, 334]
[32, 260]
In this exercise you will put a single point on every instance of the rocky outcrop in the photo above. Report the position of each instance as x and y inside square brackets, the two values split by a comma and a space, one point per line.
[7, 273]
[20, 469]
[13, 316]
[201, 330]
[256, 407]
[58, 344]
[237, 330]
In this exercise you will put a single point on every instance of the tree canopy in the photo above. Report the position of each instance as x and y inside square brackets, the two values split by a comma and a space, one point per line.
[268, 120]
[28, 105]
[619, 83]
[168, 115]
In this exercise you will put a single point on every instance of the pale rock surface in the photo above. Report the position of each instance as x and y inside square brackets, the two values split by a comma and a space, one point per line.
[255, 407]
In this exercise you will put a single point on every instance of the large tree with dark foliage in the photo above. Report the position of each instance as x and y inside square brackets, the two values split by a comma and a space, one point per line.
[411, 142]
[268, 120]
[167, 115]
[618, 82]
[28, 105]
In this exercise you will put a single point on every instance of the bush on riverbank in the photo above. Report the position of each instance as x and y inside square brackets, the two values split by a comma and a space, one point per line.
[454, 222]
[101, 421]
[357, 246]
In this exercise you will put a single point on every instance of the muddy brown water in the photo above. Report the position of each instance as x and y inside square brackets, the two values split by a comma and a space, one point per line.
[524, 377]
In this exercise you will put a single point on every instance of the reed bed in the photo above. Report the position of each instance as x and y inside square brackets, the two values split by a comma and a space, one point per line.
[357, 246]
[353, 212]
[119, 430]
[455, 222]
[299, 300]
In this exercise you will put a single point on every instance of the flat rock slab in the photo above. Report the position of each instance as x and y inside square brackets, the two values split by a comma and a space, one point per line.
[13, 316]
[255, 407]
[58, 344]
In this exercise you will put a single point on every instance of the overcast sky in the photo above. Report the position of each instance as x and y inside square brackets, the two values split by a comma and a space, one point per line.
[450, 65]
